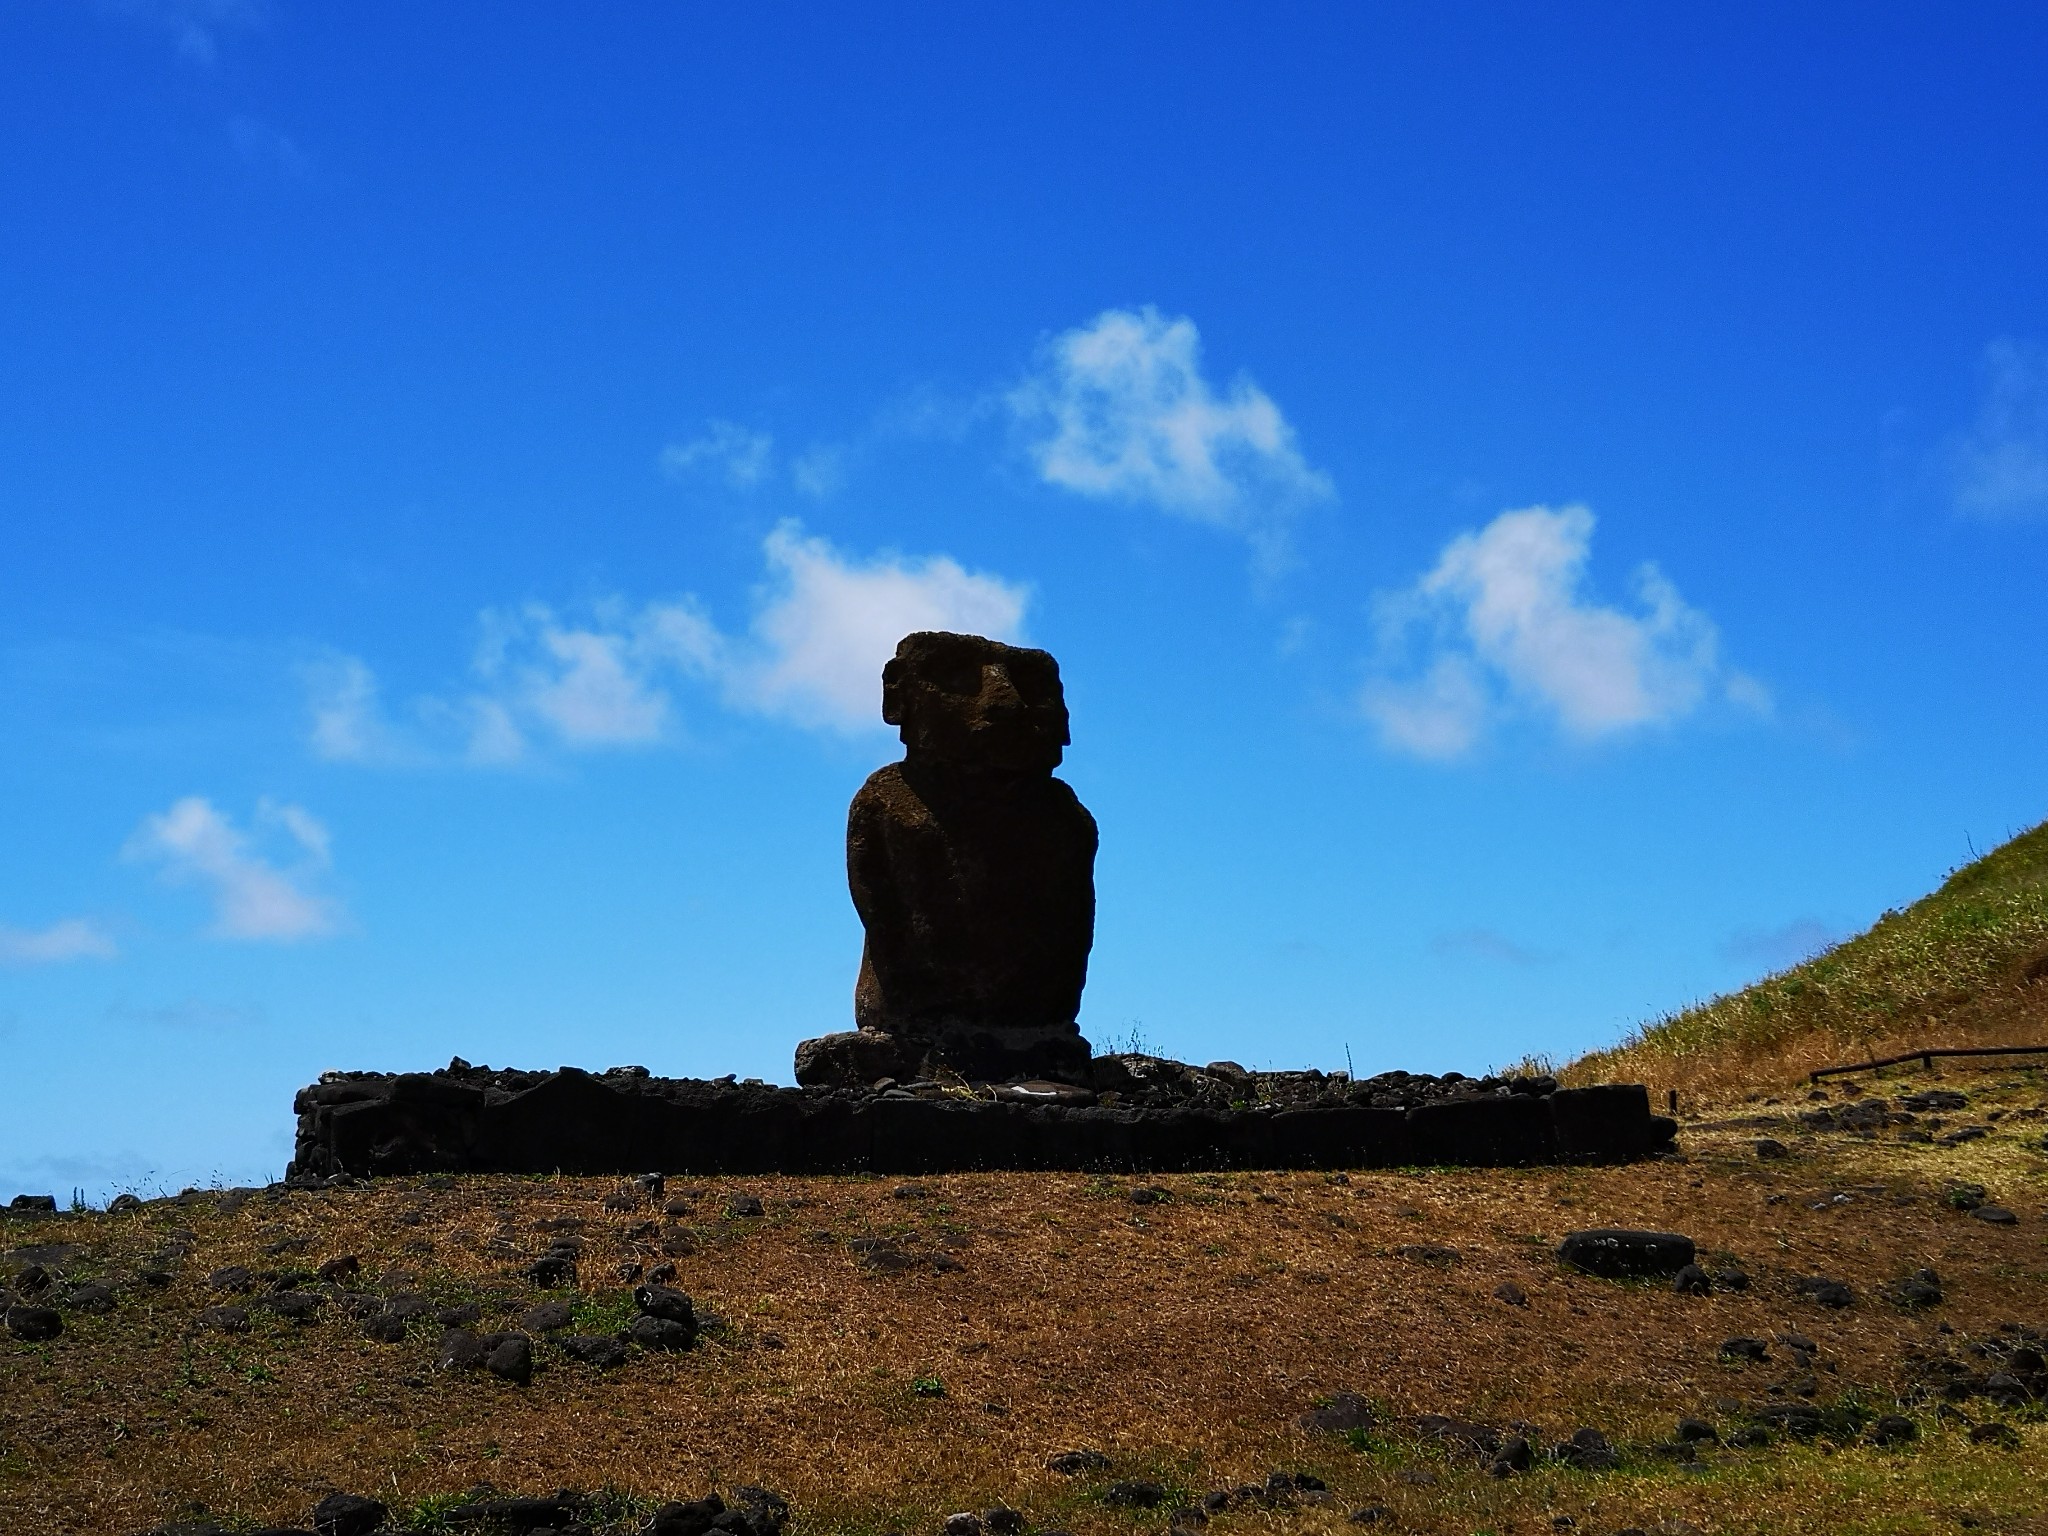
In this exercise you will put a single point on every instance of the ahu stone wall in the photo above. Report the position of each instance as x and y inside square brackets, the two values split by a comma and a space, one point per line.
[473, 1120]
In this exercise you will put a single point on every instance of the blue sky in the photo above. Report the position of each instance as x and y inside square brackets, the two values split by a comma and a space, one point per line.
[1542, 514]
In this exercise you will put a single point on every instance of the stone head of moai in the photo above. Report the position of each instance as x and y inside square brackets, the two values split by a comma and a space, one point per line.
[975, 703]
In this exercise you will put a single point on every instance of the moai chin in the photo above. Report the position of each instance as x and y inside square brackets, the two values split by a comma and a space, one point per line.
[973, 870]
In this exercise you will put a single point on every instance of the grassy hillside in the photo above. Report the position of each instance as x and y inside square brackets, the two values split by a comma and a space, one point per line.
[1967, 965]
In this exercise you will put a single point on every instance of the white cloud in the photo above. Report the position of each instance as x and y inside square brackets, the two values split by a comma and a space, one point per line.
[2000, 467]
[820, 642]
[1119, 408]
[74, 938]
[1508, 625]
[824, 624]
[253, 899]
[742, 457]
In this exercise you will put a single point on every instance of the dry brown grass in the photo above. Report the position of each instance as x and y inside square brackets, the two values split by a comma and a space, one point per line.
[1183, 1339]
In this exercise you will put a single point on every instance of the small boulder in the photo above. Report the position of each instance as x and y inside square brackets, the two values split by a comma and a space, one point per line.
[1743, 1348]
[1825, 1291]
[1510, 1293]
[1893, 1429]
[460, 1350]
[552, 1270]
[1997, 1215]
[348, 1514]
[745, 1206]
[1437, 1254]
[1588, 1450]
[339, 1270]
[685, 1517]
[660, 1301]
[593, 1349]
[233, 1279]
[966, 1523]
[1134, 1493]
[94, 1296]
[1770, 1149]
[34, 1325]
[1515, 1455]
[547, 1317]
[2003, 1436]
[1801, 1420]
[509, 1356]
[661, 1334]
[299, 1307]
[767, 1512]
[1917, 1291]
[1074, 1463]
[1342, 1413]
[1693, 1281]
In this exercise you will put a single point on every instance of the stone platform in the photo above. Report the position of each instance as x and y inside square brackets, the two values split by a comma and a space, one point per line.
[1144, 1114]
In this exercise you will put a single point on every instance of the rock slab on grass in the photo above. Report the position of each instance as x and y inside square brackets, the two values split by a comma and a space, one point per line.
[1623, 1253]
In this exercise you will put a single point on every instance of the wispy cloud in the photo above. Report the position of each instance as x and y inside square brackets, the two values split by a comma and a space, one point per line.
[616, 676]
[73, 938]
[195, 844]
[724, 450]
[1120, 409]
[820, 470]
[348, 723]
[1783, 947]
[1488, 944]
[1999, 468]
[1503, 624]
[267, 149]
[191, 1016]
[196, 27]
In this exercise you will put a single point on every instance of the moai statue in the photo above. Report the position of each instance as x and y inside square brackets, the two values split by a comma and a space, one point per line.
[973, 870]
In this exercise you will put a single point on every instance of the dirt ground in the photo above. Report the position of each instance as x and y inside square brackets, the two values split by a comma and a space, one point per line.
[1009, 1317]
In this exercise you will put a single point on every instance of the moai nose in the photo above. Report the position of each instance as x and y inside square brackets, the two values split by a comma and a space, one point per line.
[998, 693]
